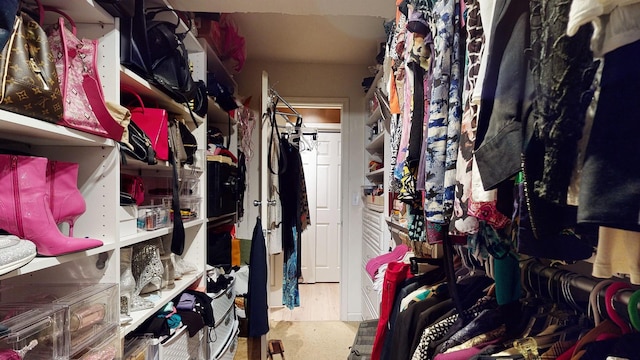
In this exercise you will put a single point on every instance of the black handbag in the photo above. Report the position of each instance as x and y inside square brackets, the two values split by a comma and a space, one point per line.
[223, 94]
[118, 8]
[138, 147]
[168, 57]
[200, 103]
[134, 50]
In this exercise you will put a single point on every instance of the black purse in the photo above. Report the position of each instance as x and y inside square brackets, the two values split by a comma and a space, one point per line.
[118, 8]
[168, 58]
[138, 147]
[134, 49]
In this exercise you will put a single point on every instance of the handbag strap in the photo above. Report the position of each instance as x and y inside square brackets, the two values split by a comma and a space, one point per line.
[178, 235]
[282, 165]
[96, 101]
[131, 91]
[153, 11]
[64, 14]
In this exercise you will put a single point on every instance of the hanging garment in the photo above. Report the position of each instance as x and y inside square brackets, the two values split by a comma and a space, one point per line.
[257, 308]
[499, 135]
[461, 222]
[295, 218]
[618, 253]
[445, 112]
[290, 292]
[563, 70]
[395, 274]
[610, 183]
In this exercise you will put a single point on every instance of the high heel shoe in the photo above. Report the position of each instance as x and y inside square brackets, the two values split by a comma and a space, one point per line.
[25, 207]
[66, 201]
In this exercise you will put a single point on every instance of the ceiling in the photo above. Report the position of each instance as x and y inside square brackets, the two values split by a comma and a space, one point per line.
[305, 31]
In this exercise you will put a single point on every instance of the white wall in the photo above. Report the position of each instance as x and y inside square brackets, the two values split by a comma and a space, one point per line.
[320, 81]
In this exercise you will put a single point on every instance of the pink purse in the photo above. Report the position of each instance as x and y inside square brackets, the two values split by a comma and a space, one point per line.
[154, 122]
[76, 64]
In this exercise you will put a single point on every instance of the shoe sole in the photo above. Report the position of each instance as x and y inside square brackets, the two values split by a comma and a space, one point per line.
[7, 268]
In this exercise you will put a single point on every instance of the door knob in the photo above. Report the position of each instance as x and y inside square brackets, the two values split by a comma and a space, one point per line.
[257, 202]
[271, 202]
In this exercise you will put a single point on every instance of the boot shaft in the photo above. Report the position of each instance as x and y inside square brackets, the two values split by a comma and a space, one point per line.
[23, 188]
[65, 200]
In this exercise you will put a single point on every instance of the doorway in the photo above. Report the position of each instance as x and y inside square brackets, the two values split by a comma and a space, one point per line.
[321, 153]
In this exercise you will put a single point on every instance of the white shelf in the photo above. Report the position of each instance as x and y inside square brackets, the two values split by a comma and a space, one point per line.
[40, 263]
[16, 127]
[215, 65]
[376, 146]
[166, 295]
[375, 174]
[216, 115]
[147, 90]
[375, 115]
[81, 11]
[144, 235]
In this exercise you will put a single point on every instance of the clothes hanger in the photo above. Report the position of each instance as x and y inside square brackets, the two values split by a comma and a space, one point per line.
[594, 308]
[632, 309]
[610, 294]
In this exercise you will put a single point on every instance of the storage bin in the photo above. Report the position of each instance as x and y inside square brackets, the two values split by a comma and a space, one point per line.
[222, 301]
[92, 313]
[190, 207]
[128, 218]
[230, 351]
[153, 217]
[180, 346]
[218, 337]
[107, 349]
[42, 327]
[140, 348]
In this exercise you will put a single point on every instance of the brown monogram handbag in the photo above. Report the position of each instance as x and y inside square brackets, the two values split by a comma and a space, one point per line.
[29, 80]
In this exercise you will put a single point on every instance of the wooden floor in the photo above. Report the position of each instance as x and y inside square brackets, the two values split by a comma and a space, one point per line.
[318, 302]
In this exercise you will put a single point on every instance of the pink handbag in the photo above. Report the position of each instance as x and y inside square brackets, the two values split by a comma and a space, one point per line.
[154, 122]
[76, 64]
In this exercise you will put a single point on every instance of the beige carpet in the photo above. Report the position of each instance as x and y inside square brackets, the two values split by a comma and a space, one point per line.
[317, 340]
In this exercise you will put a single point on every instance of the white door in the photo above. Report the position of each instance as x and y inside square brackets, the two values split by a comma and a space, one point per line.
[325, 230]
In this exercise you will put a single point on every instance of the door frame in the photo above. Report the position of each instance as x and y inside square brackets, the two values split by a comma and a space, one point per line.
[341, 103]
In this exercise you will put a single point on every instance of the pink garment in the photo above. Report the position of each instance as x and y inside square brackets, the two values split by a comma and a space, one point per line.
[396, 273]
[396, 254]
[465, 353]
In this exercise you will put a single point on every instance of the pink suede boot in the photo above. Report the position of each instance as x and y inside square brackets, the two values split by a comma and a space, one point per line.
[66, 201]
[25, 207]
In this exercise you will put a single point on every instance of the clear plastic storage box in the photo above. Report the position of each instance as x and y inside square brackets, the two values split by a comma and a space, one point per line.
[91, 310]
[33, 332]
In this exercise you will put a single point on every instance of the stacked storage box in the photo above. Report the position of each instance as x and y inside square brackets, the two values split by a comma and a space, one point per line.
[222, 339]
[90, 317]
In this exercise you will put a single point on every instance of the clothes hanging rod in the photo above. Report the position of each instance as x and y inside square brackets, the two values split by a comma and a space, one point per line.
[549, 279]
[275, 93]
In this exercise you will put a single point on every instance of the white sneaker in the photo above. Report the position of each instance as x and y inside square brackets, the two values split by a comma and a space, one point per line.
[15, 252]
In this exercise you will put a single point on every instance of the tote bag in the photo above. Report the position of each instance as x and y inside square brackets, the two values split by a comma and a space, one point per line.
[84, 107]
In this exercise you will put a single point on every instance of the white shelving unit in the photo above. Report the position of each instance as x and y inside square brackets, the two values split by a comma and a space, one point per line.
[100, 167]
[375, 235]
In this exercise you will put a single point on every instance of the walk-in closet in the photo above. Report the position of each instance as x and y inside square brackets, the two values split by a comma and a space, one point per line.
[385, 180]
